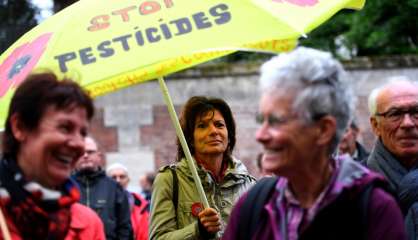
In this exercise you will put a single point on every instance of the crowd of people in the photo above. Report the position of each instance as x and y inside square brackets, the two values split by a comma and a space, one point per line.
[317, 180]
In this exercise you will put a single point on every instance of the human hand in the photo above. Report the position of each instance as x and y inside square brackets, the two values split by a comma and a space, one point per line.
[210, 220]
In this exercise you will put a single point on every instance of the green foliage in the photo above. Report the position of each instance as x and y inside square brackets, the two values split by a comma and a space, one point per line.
[17, 12]
[16, 18]
[61, 4]
[383, 27]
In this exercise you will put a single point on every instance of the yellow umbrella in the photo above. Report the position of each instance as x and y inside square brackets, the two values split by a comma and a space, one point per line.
[113, 44]
[116, 43]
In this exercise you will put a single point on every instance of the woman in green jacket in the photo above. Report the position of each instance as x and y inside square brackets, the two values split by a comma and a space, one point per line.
[176, 210]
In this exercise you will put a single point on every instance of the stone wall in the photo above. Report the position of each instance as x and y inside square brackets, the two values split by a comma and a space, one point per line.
[133, 125]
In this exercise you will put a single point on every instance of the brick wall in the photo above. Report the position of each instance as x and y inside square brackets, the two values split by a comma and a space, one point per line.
[161, 136]
[132, 125]
[237, 84]
[106, 135]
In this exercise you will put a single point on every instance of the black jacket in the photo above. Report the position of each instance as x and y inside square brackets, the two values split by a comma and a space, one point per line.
[363, 154]
[108, 199]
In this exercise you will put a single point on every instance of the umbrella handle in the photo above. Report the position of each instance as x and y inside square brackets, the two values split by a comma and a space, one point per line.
[3, 226]
[180, 135]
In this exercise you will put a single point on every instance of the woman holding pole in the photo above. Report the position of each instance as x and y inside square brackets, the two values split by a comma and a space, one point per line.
[176, 209]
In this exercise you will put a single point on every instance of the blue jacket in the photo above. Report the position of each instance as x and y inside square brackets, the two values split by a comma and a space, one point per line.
[109, 200]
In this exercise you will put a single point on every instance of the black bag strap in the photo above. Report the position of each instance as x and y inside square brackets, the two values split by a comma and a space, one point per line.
[354, 206]
[365, 200]
[251, 210]
[175, 189]
[364, 206]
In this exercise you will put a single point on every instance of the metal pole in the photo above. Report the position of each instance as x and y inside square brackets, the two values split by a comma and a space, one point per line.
[180, 135]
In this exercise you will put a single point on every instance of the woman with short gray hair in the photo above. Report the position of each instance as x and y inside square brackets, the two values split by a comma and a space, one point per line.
[306, 104]
[319, 86]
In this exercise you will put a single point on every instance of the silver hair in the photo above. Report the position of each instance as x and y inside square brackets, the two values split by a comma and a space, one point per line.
[116, 166]
[372, 101]
[317, 81]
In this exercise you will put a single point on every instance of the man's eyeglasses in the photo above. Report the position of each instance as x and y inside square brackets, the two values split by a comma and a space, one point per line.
[90, 152]
[396, 114]
[272, 120]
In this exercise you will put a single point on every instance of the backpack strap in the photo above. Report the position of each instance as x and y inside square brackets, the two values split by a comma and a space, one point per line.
[251, 210]
[364, 206]
[175, 189]
[365, 200]
[354, 206]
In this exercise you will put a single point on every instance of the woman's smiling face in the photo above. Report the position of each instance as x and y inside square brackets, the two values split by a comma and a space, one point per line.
[288, 142]
[48, 153]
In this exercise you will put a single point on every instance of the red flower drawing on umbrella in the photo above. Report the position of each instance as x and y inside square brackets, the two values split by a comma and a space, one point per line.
[301, 3]
[22, 60]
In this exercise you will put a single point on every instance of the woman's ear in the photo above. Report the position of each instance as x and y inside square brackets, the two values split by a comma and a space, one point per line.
[327, 126]
[18, 130]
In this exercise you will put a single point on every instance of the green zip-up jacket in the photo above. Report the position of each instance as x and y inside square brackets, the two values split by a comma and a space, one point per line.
[168, 224]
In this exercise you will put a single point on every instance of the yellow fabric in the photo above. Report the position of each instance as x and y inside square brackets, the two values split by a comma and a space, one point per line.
[108, 45]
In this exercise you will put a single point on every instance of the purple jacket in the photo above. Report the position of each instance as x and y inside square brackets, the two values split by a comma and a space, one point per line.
[384, 218]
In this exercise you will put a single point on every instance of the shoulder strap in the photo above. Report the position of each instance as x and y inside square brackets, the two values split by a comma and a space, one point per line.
[364, 203]
[363, 206]
[250, 212]
[175, 189]
[365, 200]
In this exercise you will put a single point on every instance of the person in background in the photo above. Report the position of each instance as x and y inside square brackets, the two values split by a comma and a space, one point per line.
[394, 119]
[103, 194]
[43, 140]
[145, 182]
[305, 106]
[137, 204]
[176, 208]
[261, 168]
[349, 144]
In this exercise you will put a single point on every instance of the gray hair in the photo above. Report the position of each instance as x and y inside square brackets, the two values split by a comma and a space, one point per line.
[116, 166]
[318, 82]
[372, 101]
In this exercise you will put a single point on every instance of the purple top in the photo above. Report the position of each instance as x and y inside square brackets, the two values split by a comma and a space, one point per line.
[287, 217]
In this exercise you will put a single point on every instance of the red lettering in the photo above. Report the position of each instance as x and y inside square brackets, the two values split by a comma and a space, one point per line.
[149, 7]
[168, 3]
[124, 13]
[99, 22]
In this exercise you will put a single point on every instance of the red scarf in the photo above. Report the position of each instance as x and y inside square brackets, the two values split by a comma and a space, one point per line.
[218, 177]
[34, 216]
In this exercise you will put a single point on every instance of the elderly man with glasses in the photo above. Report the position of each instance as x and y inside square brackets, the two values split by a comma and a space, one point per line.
[394, 120]
[103, 194]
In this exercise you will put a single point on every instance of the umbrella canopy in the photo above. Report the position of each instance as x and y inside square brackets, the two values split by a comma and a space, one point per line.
[113, 44]
[108, 45]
